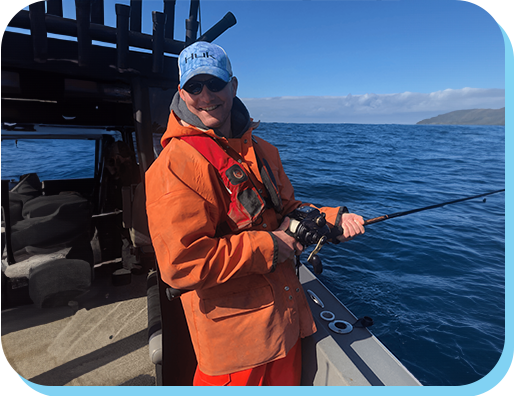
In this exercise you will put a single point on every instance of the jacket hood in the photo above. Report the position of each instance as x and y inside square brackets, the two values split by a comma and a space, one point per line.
[240, 120]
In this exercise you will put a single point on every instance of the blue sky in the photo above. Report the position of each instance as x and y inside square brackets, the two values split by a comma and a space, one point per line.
[354, 61]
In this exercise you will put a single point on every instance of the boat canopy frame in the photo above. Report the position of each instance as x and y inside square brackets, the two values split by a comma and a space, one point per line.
[100, 76]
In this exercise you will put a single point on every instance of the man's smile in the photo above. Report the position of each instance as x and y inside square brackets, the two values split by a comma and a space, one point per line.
[209, 108]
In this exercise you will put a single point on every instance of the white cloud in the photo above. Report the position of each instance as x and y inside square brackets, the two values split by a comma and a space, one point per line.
[400, 108]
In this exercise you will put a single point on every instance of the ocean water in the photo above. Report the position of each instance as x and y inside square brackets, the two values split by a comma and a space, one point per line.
[432, 281]
[50, 159]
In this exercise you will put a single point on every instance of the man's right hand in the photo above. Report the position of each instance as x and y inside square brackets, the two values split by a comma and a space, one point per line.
[287, 245]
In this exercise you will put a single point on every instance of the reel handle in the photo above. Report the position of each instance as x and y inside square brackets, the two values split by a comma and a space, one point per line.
[315, 261]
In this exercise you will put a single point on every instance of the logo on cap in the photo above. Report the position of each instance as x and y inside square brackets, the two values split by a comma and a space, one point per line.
[204, 58]
[194, 56]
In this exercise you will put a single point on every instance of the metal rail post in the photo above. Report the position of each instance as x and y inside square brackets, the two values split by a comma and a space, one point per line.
[97, 11]
[83, 9]
[38, 31]
[143, 123]
[122, 35]
[136, 7]
[192, 24]
[54, 7]
[158, 38]
[169, 11]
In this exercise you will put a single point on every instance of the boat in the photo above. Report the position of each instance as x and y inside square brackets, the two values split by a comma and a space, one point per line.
[82, 299]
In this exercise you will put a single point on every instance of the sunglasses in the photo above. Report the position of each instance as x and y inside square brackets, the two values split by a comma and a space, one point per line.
[213, 84]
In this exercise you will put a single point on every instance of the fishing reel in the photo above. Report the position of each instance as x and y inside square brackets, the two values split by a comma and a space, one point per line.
[308, 226]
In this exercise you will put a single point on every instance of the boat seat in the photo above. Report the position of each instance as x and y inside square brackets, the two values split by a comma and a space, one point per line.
[6, 227]
[43, 221]
[155, 341]
[170, 346]
[46, 279]
[56, 282]
[51, 220]
[84, 186]
[28, 188]
[135, 214]
[44, 231]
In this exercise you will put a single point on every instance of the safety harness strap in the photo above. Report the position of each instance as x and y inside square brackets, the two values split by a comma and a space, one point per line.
[247, 204]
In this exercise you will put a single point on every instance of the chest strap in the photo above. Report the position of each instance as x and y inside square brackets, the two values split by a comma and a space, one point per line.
[268, 178]
[246, 204]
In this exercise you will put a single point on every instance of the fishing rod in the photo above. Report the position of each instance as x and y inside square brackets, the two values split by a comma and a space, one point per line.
[407, 212]
[309, 227]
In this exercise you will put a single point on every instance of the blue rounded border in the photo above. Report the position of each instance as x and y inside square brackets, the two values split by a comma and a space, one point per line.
[487, 383]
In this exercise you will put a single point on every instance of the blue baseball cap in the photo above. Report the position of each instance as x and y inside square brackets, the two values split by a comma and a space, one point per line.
[204, 58]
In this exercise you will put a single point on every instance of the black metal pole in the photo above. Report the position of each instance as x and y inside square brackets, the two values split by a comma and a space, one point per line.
[221, 26]
[55, 7]
[107, 34]
[158, 38]
[122, 35]
[192, 24]
[169, 10]
[38, 31]
[399, 214]
[142, 123]
[136, 9]
[83, 10]
[97, 11]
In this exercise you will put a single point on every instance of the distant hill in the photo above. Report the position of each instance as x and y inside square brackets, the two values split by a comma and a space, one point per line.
[468, 117]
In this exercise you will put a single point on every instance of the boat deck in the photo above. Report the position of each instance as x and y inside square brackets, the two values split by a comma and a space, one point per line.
[100, 341]
[101, 338]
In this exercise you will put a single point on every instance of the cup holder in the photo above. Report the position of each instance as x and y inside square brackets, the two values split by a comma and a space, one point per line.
[340, 327]
[327, 315]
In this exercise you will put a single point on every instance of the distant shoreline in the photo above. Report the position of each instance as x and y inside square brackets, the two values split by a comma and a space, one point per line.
[468, 117]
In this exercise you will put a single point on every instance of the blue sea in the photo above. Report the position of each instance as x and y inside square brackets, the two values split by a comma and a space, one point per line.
[432, 281]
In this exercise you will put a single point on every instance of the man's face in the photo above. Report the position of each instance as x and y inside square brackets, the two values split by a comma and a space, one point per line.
[213, 108]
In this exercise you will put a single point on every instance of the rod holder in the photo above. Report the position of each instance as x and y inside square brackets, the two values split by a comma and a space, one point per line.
[54, 7]
[158, 37]
[364, 322]
[122, 35]
[221, 26]
[97, 11]
[135, 17]
[169, 11]
[38, 31]
[83, 9]
[192, 24]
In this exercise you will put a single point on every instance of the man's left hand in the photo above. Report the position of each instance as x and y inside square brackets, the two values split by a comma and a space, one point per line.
[352, 225]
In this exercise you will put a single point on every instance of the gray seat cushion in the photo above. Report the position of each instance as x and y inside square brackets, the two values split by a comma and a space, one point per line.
[51, 220]
[55, 283]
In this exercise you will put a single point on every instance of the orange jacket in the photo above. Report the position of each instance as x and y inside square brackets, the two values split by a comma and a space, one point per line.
[240, 314]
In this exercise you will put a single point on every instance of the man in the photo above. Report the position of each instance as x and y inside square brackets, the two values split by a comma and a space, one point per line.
[216, 199]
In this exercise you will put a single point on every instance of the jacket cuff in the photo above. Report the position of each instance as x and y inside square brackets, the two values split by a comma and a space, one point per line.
[265, 252]
[337, 229]
[276, 253]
